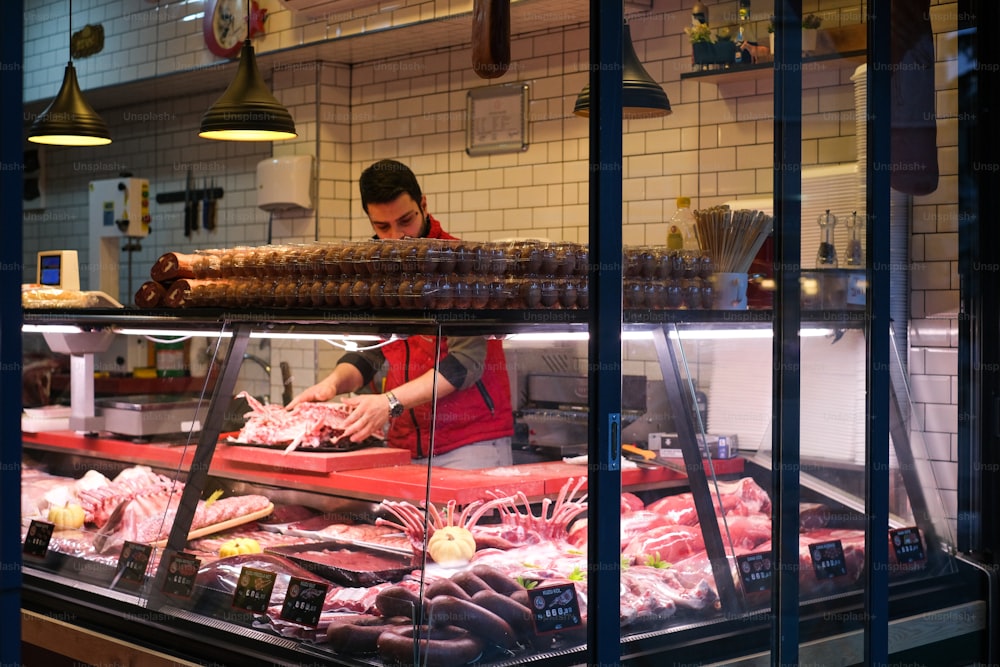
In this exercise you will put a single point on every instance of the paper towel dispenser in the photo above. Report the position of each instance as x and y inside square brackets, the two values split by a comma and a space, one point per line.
[285, 182]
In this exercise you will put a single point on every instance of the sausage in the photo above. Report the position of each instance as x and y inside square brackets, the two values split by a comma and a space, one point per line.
[150, 294]
[470, 582]
[496, 579]
[398, 601]
[521, 596]
[490, 38]
[446, 610]
[173, 265]
[357, 635]
[440, 647]
[445, 586]
[516, 614]
[186, 292]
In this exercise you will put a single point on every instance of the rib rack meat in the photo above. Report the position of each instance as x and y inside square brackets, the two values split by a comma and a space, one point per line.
[307, 425]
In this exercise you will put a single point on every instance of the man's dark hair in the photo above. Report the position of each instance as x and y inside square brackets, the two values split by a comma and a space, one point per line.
[385, 180]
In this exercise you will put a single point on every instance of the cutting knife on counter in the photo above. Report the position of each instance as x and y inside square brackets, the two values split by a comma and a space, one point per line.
[648, 458]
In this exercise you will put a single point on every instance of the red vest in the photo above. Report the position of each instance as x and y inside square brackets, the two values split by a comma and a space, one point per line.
[481, 412]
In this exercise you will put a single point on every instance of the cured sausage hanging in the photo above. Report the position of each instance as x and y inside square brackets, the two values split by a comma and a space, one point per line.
[490, 38]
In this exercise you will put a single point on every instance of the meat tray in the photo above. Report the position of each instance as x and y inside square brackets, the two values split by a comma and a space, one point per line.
[348, 564]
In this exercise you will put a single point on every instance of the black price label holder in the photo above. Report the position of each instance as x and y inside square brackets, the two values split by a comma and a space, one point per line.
[253, 590]
[755, 571]
[828, 559]
[36, 542]
[907, 545]
[304, 601]
[182, 572]
[132, 563]
[554, 608]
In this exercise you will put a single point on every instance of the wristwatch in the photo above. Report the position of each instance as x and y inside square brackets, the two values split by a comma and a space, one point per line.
[395, 407]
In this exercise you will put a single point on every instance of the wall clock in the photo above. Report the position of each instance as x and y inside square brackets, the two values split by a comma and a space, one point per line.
[225, 25]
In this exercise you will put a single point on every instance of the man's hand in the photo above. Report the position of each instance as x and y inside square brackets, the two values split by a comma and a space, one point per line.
[369, 416]
[318, 393]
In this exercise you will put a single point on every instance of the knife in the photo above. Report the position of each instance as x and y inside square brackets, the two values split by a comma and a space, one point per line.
[286, 383]
[187, 206]
[208, 204]
[649, 458]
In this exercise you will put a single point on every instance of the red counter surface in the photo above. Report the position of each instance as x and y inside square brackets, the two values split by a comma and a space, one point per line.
[386, 475]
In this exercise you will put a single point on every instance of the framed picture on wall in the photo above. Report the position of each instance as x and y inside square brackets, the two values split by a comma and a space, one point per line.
[497, 119]
[34, 178]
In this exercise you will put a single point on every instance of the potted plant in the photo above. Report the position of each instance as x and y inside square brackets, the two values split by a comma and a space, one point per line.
[810, 24]
[725, 48]
[701, 44]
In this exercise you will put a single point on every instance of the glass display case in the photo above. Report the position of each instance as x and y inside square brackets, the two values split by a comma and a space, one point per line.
[248, 552]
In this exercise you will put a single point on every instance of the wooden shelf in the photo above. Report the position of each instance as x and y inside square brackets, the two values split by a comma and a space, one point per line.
[819, 63]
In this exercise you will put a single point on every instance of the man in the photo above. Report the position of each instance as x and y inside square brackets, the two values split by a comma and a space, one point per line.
[474, 423]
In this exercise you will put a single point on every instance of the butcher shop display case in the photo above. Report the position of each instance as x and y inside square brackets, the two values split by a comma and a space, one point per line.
[360, 556]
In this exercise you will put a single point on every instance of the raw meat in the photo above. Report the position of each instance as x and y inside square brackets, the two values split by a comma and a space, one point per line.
[668, 543]
[307, 425]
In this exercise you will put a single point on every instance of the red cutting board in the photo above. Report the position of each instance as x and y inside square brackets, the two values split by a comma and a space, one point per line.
[409, 482]
[313, 462]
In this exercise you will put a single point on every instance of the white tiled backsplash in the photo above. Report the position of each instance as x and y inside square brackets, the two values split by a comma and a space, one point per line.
[714, 147]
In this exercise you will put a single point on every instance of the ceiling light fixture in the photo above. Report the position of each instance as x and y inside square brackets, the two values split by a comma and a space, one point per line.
[641, 96]
[69, 120]
[247, 111]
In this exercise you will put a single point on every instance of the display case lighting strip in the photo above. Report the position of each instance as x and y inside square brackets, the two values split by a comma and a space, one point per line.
[183, 334]
[691, 334]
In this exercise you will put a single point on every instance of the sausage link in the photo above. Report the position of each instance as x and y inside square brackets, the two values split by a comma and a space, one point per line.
[470, 582]
[516, 614]
[481, 622]
[496, 579]
[439, 647]
[398, 601]
[445, 586]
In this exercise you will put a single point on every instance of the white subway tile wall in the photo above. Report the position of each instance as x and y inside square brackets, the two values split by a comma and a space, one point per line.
[714, 147]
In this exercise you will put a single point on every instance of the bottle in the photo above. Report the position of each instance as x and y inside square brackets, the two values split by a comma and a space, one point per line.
[680, 229]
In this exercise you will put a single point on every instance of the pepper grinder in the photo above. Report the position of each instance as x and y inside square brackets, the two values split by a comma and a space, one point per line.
[853, 255]
[826, 256]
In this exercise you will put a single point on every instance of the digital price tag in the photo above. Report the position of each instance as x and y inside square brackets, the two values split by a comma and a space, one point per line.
[828, 559]
[253, 590]
[36, 542]
[304, 601]
[132, 563]
[554, 608]
[907, 544]
[181, 574]
[755, 571]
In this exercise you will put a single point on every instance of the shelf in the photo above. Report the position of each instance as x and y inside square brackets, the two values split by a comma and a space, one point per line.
[821, 63]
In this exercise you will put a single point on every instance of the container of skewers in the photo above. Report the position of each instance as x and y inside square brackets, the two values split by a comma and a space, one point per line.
[732, 238]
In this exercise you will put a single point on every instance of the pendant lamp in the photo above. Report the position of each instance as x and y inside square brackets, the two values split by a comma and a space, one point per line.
[247, 111]
[69, 120]
[641, 96]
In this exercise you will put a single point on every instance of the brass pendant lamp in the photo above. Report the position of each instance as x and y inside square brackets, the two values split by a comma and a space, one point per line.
[69, 120]
[247, 111]
[641, 96]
